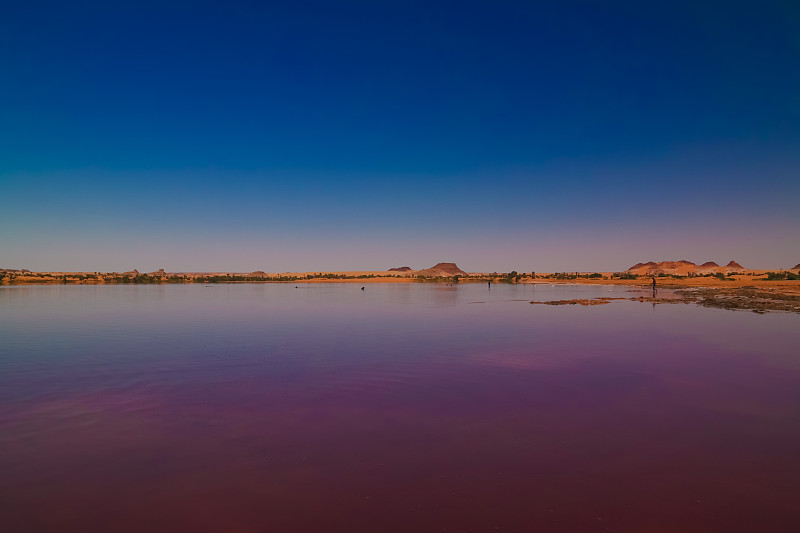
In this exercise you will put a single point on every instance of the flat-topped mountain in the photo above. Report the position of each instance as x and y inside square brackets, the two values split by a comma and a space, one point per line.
[400, 269]
[442, 269]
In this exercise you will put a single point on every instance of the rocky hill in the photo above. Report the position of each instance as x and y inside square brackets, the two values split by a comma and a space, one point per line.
[442, 269]
[400, 269]
[682, 268]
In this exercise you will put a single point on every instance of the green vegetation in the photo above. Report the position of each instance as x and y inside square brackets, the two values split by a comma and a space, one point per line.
[773, 276]
[562, 275]
[576, 275]
[228, 278]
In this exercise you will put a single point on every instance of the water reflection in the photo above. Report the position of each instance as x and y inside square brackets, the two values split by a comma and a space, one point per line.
[399, 408]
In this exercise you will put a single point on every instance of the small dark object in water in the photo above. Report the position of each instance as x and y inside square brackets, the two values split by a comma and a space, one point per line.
[362, 288]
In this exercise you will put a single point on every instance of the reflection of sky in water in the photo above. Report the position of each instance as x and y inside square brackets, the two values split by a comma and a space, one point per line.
[252, 402]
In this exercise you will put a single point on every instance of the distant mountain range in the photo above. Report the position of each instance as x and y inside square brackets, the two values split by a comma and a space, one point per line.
[682, 267]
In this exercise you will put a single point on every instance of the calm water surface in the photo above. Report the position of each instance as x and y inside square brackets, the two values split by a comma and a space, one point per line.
[403, 407]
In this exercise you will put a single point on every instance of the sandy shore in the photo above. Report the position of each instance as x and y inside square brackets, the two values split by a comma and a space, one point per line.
[788, 286]
[748, 292]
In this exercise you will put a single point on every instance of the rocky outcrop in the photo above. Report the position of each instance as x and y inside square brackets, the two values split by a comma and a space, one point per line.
[637, 266]
[681, 267]
[400, 269]
[442, 269]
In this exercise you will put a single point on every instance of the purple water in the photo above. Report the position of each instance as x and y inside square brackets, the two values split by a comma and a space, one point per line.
[403, 407]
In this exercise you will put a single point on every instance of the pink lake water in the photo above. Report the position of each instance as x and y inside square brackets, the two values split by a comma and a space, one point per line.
[400, 408]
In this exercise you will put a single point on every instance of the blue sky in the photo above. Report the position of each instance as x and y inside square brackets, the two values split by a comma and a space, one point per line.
[364, 135]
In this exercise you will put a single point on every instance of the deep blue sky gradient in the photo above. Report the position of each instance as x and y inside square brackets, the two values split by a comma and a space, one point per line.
[361, 135]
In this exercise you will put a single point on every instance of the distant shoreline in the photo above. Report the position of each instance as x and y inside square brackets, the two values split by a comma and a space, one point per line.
[757, 291]
[760, 278]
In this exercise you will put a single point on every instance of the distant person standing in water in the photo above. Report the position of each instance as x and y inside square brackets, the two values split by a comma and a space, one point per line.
[654, 285]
